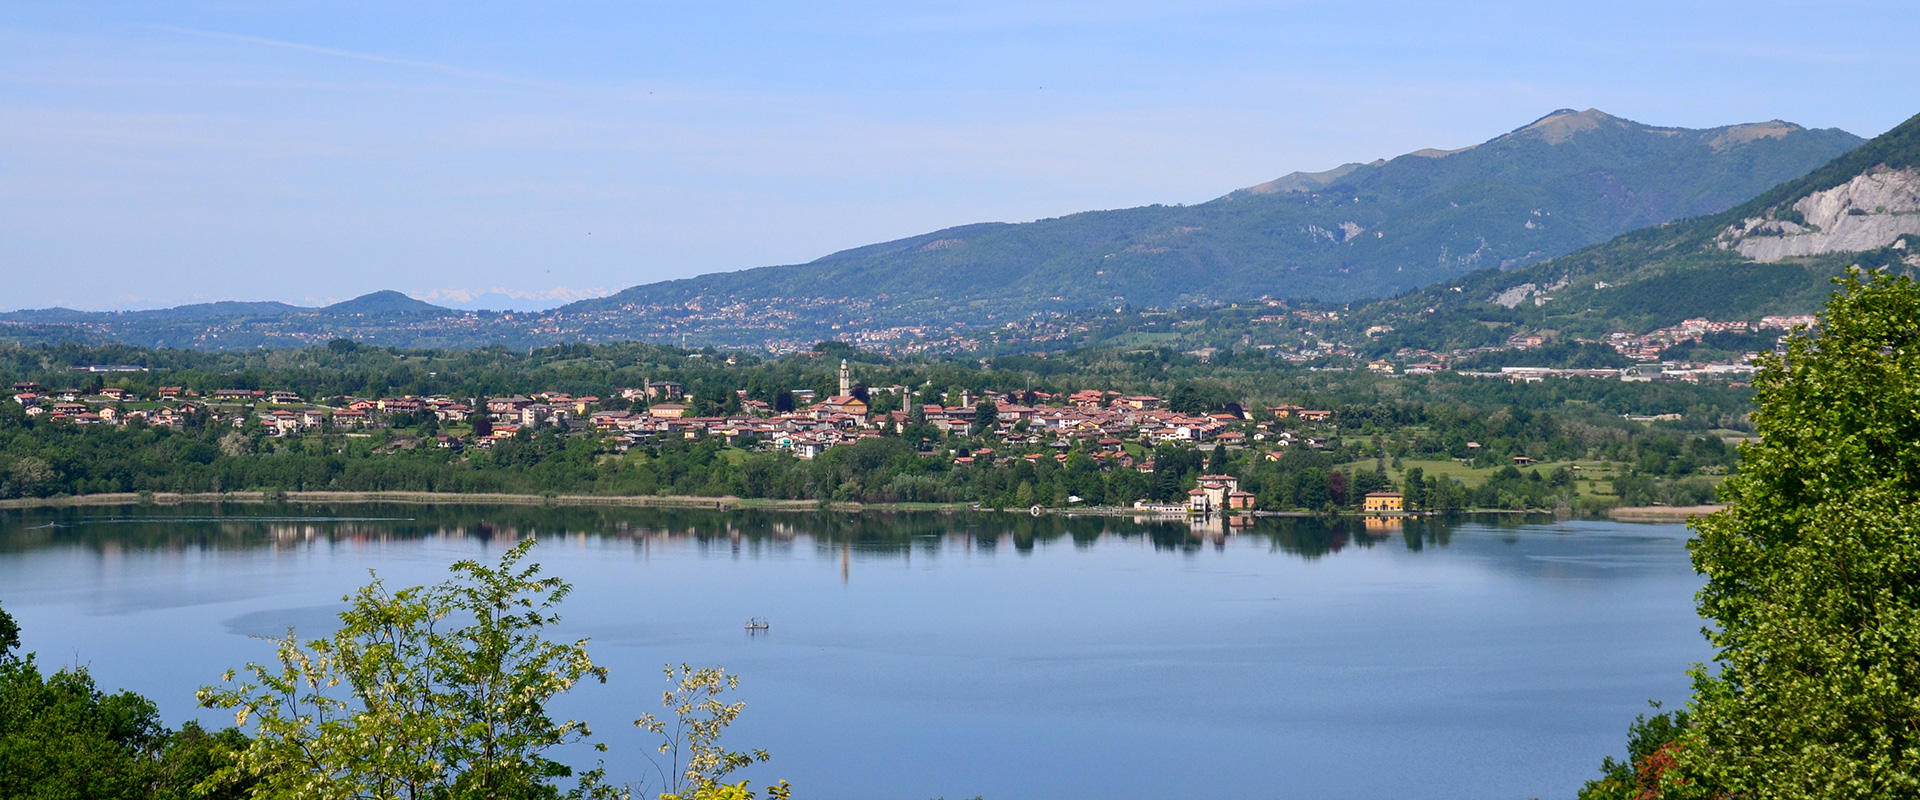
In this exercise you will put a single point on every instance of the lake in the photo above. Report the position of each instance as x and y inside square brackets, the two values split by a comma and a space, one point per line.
[918, 656]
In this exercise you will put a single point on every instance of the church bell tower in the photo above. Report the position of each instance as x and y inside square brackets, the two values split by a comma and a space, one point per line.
[846, 379]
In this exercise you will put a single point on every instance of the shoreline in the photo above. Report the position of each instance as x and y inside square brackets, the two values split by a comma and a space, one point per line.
[452, 498]
[1628, 514]
[1660, 513]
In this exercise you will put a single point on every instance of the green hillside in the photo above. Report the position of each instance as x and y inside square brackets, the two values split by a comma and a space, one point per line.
[1568, 180]
[1737, 264]
[384, 317]
[384, 302]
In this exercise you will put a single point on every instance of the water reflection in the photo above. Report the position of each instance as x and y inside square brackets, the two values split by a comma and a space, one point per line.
[1498, 656]
[846, 536]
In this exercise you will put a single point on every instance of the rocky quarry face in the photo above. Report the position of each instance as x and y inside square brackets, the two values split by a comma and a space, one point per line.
[1869, 212]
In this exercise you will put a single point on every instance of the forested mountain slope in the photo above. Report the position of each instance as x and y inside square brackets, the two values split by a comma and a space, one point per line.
[1362, 230]
[1774, 254]
[385, 317]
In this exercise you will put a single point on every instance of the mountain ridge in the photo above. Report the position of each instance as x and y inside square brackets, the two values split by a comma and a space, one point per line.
[385, 301]
[381, 301]
[1565, 180]
[1696, 267]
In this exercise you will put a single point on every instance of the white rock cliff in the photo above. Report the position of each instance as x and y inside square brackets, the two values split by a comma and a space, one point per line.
[1866, 213]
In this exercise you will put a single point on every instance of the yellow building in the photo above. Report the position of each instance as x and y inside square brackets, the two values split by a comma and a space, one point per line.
[1384, 501]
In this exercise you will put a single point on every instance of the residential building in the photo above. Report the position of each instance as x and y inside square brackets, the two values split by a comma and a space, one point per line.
[1384, 502]
[667, 410]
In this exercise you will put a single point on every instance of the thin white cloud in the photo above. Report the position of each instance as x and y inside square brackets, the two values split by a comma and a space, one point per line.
[352, 54]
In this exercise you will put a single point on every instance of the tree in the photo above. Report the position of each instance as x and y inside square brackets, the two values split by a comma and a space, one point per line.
[986, 414]
[1415, 489]
[1188, 398]
[1813, 570]
[9, 637]
[1311, 489]
[62, 737]
[1650, 755]
[691, 745]
[32, 477]
[1365, 483]
[430, 709]
[833, 349]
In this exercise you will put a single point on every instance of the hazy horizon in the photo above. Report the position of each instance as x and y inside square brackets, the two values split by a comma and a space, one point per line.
[489, 156]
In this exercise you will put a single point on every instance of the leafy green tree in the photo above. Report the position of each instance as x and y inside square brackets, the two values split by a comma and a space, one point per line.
[62, 738]
[446, 694]
[1650, 756]
[1217, 460]
[986, 414]
[1415, 491]
[695, 761]
[1367, 482]
[1311, 489]
[9, 637]
[1813, 570]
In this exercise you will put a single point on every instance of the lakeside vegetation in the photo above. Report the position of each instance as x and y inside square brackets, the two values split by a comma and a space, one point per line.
[1447, 441]
[1810, 598]
[434, 692]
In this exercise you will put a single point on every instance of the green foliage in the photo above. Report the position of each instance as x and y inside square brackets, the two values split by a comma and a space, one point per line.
[9, 637]
[1196, 397]
[445, 694]
[1813, 572]
[62, 738]
[1650, 744]
[985, 414]
[1566, 355]
[731, 791]
[695, 761]
[1645, 490]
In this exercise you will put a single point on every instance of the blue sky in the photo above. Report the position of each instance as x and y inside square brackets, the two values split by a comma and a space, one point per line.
[157, 153]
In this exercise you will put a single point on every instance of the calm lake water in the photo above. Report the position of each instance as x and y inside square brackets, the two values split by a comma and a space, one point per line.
[920, 656]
